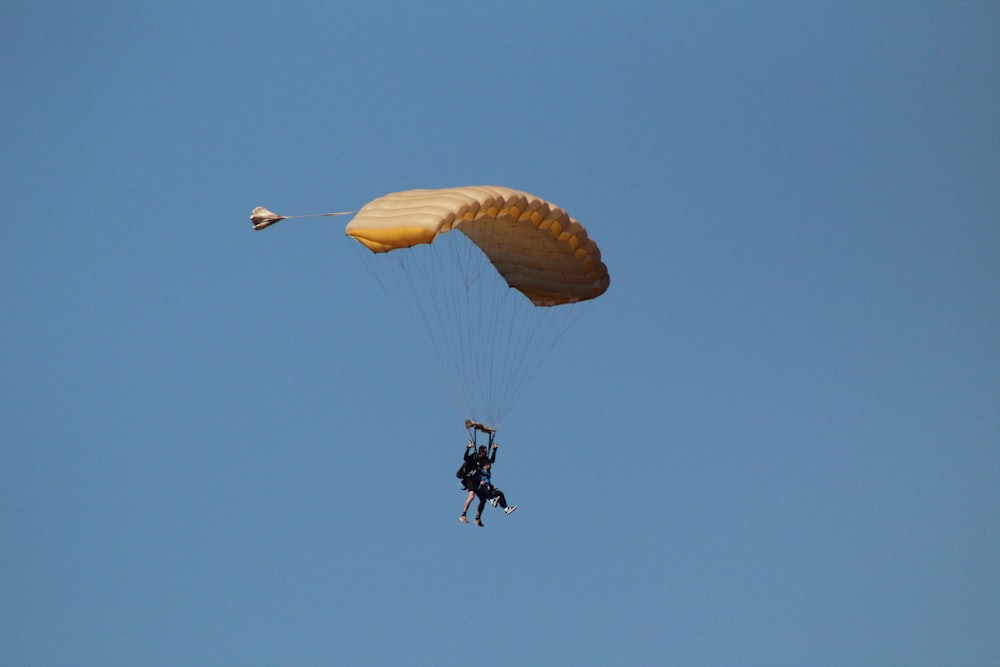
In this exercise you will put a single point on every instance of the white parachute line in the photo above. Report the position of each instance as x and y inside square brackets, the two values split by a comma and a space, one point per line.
[499, 324]
[481, 352]
[456, 343]
[404, 286]
[431, 312]
[439, 308]
[488, 322]
[502, 330]
[510, 326]
[549, 331]
[518, 310]
[494, 318]
[318, 215]
[434, 316]
[476, 378]
[481, 355]
[494, 357]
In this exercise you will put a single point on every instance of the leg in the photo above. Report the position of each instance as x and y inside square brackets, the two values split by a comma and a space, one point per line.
[502, 501]
[479, 510]
[468, 501]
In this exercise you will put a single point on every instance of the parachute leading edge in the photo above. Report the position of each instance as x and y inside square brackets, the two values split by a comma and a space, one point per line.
[535, 245]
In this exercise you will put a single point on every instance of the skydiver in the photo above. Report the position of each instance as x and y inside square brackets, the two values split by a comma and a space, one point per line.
[474, 462]
[487, 491]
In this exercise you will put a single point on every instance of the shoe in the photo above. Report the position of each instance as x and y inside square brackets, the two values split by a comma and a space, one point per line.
[478, 522]
[494, 501]
[463, 519]
[508, 510]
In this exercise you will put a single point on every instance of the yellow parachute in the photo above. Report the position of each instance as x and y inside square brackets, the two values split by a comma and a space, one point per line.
[535, 245]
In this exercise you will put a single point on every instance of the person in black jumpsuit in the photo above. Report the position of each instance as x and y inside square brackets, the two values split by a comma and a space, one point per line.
[474, 462]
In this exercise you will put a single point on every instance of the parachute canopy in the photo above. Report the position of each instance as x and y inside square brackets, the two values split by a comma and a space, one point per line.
[536, 246]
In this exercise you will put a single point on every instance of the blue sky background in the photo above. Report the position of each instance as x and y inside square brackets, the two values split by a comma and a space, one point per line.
[774, 441]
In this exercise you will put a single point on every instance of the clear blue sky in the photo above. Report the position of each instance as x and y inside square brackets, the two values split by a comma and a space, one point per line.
[774, 441]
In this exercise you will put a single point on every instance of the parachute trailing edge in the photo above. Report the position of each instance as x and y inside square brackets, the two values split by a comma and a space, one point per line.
[535, 245]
